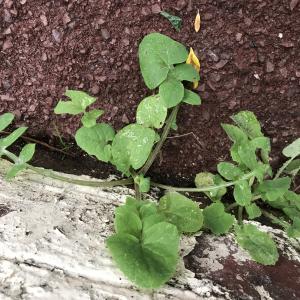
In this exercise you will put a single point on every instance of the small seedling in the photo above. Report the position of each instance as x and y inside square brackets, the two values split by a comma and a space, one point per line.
[145, 245]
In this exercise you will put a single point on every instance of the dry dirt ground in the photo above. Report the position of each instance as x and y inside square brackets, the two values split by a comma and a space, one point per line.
[250, 60]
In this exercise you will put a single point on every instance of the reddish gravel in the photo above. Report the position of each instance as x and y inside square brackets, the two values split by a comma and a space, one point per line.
[249, 52]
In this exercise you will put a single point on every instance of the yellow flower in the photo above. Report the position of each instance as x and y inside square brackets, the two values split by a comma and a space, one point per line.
[194, 61]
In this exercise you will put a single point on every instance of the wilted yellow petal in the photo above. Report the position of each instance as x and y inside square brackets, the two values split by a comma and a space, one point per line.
[194, 61]
[197, 23]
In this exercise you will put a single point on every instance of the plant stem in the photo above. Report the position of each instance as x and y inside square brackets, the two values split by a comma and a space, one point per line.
[52, 174]
[240, 214]
[159, 145]
[203, 189]
[283, 167]
[234, 205]
[275, 220]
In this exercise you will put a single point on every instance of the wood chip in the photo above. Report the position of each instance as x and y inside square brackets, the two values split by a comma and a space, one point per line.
[197, 23]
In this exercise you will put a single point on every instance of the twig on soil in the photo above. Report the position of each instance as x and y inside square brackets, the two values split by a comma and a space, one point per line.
[186, 134]
[29, 139]
[159, 145]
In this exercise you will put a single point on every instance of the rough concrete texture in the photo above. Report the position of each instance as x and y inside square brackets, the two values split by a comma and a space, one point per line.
[52, 246]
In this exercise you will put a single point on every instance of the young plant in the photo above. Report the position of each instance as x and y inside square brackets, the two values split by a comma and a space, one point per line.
[145, 245]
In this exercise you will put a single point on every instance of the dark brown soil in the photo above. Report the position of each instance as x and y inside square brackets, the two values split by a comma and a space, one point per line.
[249, 52]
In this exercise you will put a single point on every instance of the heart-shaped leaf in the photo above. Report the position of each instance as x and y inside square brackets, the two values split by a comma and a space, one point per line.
[157, 53]
[182, 212]
[151, 112]
[132, 146]
[259, 244]
[94, 140]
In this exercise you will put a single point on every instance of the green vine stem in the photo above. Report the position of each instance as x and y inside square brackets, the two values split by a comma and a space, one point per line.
[53, 175]
[203, 189]
[240, 215]
[275, 220]
[283, 167]
[234, 205]
[159, 145]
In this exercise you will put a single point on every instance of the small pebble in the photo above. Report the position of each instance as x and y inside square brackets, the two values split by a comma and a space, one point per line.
[269, 67]
[44, 20]
[156, 9]
[105, 33]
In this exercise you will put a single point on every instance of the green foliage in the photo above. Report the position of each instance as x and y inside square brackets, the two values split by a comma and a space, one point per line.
[10, 139]
[143, 183]
[247, 121]
[146, 243]
[5, 120]
[171, 92]
[78, 103]
[253, 211]
[145, 247]
[293, 149]
[242, 193]
[206, 179]
[157, 54]
[25, 156]
[151, 112]
[271, 190]
[95, 140]
[89, 119]
[185, 72]
[174, 20]
[229, 171]
[182, 212]
[191, 98]
[131, 147]
[216, 219]
[259, 244]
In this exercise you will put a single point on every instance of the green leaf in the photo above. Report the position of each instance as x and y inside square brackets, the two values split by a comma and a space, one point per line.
[94, 140]
[242, 193]
[143, 183]
[89, 118]
[206, 179]
[151, 112]
[235, 133]
[185, 72]
[25, 155]
[248, 122]
[132, 146]
[14, 170]
[293, 149]
[293, 168]
[229, 171]
[78, 104]
[191, 98]
[293, 230]
[128, 221]
[171, 91]
[9, 140]
[80, 98]
[174, 20]
[247, 155]
[150, 261]
[259, 244]
[182, 212]
[68, 107]
[253, 211]
[5, 120]
[274, 189]
[260, 171]
[216, 219]
[157, 53]
[264, 144]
